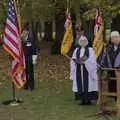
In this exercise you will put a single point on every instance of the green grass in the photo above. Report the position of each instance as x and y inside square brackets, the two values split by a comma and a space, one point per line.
[51, 100]
[47, 103]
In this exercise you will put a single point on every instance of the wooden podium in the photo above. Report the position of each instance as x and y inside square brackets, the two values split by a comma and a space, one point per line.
[104, 93]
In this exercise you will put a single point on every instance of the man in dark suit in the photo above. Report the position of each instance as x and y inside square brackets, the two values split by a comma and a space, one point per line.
[110, 58]
[30, 55]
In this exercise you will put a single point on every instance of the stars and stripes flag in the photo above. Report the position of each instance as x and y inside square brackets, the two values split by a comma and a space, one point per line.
[12, 45]
[68, 36]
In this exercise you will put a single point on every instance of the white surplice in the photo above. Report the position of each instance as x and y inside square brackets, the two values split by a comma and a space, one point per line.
[91, 66]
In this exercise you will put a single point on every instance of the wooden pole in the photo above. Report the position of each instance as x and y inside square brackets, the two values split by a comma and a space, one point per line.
[68, 5]
[118, 92]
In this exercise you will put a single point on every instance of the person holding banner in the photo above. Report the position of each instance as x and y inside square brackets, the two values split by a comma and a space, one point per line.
[30, 55]
[85, 82]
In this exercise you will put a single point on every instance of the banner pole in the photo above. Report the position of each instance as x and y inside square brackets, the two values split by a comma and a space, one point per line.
[13, 92]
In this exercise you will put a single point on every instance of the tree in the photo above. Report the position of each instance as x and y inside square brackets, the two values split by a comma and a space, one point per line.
[49, 10]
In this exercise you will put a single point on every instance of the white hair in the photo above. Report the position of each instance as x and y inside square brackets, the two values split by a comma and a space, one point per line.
[83, 38]
[115, 33]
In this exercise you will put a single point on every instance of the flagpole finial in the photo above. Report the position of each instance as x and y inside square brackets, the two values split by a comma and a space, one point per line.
[68, 5]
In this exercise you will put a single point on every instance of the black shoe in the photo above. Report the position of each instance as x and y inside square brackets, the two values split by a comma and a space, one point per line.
[31, 89]
[25, 88]
[85, 103]
[88, 103]
[77, 96]
[82, 103]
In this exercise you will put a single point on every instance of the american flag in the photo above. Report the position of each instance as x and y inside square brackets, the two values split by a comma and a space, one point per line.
[98, 22]
[13, 46]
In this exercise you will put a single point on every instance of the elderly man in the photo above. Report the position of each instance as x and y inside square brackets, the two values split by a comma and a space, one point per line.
[85, 82]
[110, 58]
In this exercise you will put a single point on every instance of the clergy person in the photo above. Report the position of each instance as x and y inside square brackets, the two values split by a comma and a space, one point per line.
[83, 72]
[110, 58]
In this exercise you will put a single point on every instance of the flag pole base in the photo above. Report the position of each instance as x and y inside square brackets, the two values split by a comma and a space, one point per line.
[14, 102]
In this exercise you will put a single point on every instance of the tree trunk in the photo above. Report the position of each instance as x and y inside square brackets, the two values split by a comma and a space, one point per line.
[115, 26]
[48, 31]
[59, 37]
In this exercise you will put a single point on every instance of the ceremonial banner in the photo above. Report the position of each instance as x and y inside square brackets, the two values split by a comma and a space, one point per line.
[98, 33]
[68, 36]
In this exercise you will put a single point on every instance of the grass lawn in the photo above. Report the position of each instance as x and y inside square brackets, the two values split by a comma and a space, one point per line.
[51, 100]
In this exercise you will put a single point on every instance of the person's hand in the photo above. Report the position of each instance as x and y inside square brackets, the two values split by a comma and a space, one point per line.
[34, 59]
[81, 60]
[78, 61]
[84, 58]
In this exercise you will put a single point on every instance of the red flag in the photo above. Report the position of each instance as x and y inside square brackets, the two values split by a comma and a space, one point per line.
[98, 22]
[13, 46]
[68, 19]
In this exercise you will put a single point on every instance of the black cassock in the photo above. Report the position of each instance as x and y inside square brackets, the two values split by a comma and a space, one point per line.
[110, 58]
[82, 85]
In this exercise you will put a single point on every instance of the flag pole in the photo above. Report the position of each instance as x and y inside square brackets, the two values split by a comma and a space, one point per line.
[68, 5]
[15, 98]
[14, 92]
[14, 101]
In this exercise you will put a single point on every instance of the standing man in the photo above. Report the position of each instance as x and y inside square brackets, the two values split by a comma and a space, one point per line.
[30, 55]
[84, 72]
[110, 58]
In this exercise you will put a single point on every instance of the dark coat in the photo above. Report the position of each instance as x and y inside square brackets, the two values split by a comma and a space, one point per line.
[29, 46]
[109, 57]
